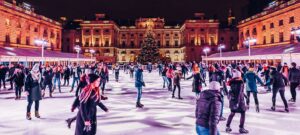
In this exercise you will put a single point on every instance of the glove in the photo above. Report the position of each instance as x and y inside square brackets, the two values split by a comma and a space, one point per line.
[87, 128]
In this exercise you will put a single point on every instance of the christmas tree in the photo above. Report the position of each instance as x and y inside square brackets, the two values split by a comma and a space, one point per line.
[149, 52]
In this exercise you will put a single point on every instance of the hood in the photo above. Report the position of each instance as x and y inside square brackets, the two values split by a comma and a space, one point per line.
[210, 94]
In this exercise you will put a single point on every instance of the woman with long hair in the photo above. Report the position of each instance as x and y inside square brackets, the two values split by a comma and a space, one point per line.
[86, 122]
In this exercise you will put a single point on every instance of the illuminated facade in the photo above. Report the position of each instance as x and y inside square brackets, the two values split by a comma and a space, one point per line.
[273, 26]
[123, 43]
[20, 27]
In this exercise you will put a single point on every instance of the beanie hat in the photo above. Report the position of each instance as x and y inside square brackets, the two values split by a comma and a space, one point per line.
[214, 85]
[236, 74]
[93, 77]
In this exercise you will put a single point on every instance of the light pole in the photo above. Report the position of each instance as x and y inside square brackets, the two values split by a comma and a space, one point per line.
[248, 41]
[77, 49]
[92, 51]
[206, 50]
[43, 43]
[221, 47]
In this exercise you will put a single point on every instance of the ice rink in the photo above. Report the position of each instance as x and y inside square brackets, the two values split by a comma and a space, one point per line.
[161, 115]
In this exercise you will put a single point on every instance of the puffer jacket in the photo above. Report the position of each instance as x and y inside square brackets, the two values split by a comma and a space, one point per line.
[236, 95]
[294, 75]
[208, 110]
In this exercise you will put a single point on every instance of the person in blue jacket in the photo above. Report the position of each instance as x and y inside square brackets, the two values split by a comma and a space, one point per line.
[139, 83]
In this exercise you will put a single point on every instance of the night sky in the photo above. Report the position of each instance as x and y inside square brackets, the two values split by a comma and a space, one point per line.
[172, 10]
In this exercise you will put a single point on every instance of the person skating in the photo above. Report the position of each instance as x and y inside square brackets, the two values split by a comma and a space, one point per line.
[197, 80]
[10, 74]
[3, 72]
[117, 72]
[139, 84]
[47, 80]
[294, 78]
[57, 77]
[208, 109]
[18, 79]
[66, 75]
[76, 73]
[131, 70]
[170, 76]
[176, 81]
[278, 85]
[33, 91]
[104, 76]
[250, 78]
[237, 101]
[90, 98]
[164, 76]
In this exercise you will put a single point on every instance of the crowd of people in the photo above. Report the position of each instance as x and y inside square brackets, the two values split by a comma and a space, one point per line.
[235, 81]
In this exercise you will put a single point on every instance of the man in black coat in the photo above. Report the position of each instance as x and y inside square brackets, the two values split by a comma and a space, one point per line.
[208, 110]
[10, 74]
[47, 77]
[294, 78]
[3, 71]
[277, 80]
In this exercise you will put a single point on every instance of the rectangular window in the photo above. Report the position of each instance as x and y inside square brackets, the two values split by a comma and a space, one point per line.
[19, 40]
[265, 40]
[27, 40]
[254, 32]
[176, 43]
[106, 42]
[97, 42]
[264, 28]
[271, 25]
[292, 19]
[281, 37]
[202, 41]
[272, 38]
[132, 44]
[7, 39]
[123, 44]
[158, 43]
[280, 22]
[167, 43]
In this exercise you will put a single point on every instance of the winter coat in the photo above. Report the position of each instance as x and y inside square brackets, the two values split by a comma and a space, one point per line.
[104, 76]
[250, 78]
[277, 80]
[33, 88]
[76, 73]
[294, 75]
[236, 95]
[18, 78]
[88, 112]
[48, 76]
[3, 72]
[67, 73]
[139, 81]
[176, 80]
[197, 82]
[208, 110]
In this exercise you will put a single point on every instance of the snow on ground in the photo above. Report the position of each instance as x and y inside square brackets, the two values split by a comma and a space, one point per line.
[161, 115]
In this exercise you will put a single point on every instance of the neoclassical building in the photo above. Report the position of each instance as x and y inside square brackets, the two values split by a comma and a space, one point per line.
[123, 43]
[20, 26]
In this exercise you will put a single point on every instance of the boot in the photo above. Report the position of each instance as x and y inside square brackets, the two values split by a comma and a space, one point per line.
[273, 108]
[243, 131]
[141, 105]
[180, 97]
[71, 90]
[286, 110]
[28, 116]
[69, 122]
[173, 96]
[292, 100]
[37, 114]
[50, 94]
[257, 108]
[228, 130]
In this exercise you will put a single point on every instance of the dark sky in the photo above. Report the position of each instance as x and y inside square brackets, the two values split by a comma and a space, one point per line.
[172, 10]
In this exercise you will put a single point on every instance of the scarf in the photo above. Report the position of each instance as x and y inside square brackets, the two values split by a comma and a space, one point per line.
[87, 93]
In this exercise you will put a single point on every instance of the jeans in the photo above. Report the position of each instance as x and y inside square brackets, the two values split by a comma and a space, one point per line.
[166, 81]
[18, 91]
[58, 83]
[75, 79]
[117, 76]
[139, 94]
[37, 105]
[242, 119]
[49, 86]
[281, 92]
[254, 96]
[203, 131]
[170, 84]
[293, 90]
[102, 85]
[66, 80]
[179, 89]
[2, 79]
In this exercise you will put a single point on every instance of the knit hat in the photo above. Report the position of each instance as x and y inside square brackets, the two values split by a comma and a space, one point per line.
[236, 74]
[214, 85]
[93, 77]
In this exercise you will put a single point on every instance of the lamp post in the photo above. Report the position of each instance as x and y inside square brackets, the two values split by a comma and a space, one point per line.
[77, 49]
[221, 47]
[248, 41]
[43, 43]
[92, 51]
[206, 50]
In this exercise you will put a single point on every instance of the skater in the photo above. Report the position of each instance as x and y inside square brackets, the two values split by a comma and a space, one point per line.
[47, 80]
[33, 91]
[104, 76]
[139, 84]
[160, 69]
[131, 70]
[164, 76]
[170, 76]
[278, 84]
[237, 101]
[86, 122]
[176, 81]
[76, 73]
[250, 78]
[117, 72]
[197, 80]
[18, 78]
[294, 78]
[66, 76]
[3, 71]
[208, 110]
[57, 77]
[10, 74]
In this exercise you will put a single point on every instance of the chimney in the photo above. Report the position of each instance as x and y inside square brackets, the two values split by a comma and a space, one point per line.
[199, 16]
[99, 16]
